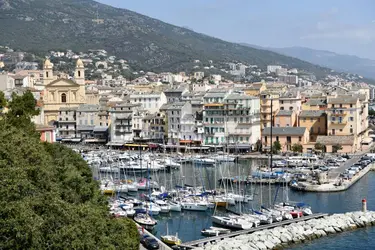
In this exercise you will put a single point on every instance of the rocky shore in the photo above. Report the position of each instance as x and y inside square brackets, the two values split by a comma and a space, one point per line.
[280, 237]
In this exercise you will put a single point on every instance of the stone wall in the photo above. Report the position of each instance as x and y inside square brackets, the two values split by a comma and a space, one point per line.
[280, 237]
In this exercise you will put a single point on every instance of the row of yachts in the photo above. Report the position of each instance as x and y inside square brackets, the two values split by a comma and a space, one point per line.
[117, 162]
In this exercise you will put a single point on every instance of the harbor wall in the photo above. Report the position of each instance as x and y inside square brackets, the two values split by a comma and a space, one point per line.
[295, 233]
[162, 245]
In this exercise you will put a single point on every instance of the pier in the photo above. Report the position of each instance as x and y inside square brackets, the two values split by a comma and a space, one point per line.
[202, 242]
[162, 245]
[331, 187]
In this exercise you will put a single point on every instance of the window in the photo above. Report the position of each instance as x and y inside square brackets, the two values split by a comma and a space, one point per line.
[304, 119]
[282, 102]
[351, 118]
[63, 97]
[340, 105]
[318, 129]
[47, 74]
[67, 126]
[311, 119]
[312, 130]
[92, 122]
[277, 138]
[340, 130]
[290, 108]
[265, 139]
[299, 138]
[351, 105]
[318, 119]
[282, 108]
[66, 119]
[289, 139]
[351, 131]
[66, 112]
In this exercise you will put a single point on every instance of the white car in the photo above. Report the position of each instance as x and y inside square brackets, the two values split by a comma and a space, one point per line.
[341, 159]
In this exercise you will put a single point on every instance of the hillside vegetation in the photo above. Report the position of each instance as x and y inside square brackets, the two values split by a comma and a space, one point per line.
[147, 43]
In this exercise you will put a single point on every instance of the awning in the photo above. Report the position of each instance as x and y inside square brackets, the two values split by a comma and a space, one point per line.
[95, 140]
[118, 144]
[136, 145]
[240, 146]
[186, 141]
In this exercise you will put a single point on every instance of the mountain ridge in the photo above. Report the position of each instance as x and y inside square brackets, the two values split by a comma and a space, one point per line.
[147, 43]
[326, 58]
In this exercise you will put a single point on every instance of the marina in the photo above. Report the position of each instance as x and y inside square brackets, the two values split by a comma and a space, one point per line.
[211, 195]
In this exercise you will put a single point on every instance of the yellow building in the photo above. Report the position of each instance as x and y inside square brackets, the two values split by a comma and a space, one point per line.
[315, 121]
[315, 104]
[266, 98]
[255, 89]
[286, 118]
[62, 92]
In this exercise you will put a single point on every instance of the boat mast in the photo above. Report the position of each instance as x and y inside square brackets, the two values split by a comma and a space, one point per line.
[271, 151]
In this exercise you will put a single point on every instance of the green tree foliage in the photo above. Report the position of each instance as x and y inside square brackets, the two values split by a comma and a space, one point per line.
[335, 148]
[48, 198]
[371, 112]
[3, 101]
[276, 147]
[320, 147]
[297, 148]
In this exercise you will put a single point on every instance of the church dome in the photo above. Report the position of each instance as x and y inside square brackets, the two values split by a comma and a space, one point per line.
[79, 64]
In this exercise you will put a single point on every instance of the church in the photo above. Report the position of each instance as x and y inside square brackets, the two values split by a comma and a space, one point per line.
[62, 92]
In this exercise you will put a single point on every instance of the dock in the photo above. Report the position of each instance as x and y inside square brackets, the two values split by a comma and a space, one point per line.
[202, 242]
[330, 187]
[162, 245]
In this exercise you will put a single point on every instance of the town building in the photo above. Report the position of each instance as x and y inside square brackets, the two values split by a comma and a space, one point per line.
[268, 100]
[287, 136]
[121, 128]
[315, 121]
[286, 118]
[150, 102]
[67, 123]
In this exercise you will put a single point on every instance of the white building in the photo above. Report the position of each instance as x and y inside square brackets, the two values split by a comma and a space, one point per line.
[121, 129]
[232, 120]
[198, 75]
[175, 112]
[150, 102]
[272, 68]
[6, 81]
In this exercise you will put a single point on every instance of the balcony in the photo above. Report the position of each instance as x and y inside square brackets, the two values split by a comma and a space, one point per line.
[338, 122]
[339, 114]
[68, 121]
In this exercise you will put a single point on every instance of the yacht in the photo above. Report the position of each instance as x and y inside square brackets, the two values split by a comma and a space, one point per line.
[145, 220]
[214, 231]
[235, 222]
[174, 206]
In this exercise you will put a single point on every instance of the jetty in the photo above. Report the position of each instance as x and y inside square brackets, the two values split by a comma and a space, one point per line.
[298, 231]
[331, 185]
[162, 245]
[210, 240]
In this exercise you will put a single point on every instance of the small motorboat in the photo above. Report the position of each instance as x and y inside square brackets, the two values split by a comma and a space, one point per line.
[214, 231]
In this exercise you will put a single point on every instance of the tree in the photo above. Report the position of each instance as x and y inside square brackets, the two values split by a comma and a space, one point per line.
[258, 146]
[320, 147]
[336, 147]
[276, 147]
[371, 112]
[297, 148]
[48, 198]
[3, 101]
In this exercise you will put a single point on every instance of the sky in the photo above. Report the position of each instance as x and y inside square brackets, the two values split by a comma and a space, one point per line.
[342, 26]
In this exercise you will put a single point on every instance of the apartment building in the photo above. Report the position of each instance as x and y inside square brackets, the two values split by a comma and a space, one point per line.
[291, 101]
[87, 116]
[121, 129]
[150, 102]
[287, 136]
[175, 112]
[67, 123]
[286, 118]
[268, 99]
[315, 121]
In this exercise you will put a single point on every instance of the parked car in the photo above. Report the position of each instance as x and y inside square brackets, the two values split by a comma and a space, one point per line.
[333, 164]
[341, 159]
[150, 243]
[323, 168]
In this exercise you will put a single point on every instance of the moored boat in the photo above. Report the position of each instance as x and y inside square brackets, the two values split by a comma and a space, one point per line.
[214, 231]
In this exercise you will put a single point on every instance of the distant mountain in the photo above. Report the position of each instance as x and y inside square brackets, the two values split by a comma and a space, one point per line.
[347, 63]
[147, 43]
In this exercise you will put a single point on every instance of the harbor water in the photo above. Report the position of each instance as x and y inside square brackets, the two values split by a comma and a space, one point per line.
[188, 224]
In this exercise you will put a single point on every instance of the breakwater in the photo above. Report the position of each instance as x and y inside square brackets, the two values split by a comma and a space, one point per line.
[281, 237]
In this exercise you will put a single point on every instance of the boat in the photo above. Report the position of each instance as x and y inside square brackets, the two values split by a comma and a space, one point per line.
[214, 231]
[171, 240]
[194, 206]
[204, 161]
[236, 222]
[107, 187]
[145, 220]
[122, 188]
[174, 206]
[164, 206]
